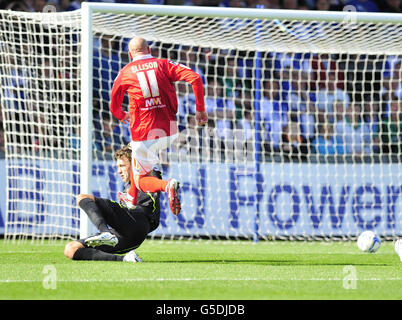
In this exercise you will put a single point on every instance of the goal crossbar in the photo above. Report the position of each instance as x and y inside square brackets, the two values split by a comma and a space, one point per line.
[249, 13]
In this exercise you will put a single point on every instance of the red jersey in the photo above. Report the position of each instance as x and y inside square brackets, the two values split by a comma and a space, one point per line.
[152, 95]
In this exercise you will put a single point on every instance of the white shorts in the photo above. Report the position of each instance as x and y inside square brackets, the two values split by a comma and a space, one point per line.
[145, 154]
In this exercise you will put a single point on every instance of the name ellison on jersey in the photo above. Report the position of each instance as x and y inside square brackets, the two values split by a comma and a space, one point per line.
[144, 66]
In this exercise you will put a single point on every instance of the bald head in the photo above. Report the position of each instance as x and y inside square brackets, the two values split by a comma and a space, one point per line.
[137, 47]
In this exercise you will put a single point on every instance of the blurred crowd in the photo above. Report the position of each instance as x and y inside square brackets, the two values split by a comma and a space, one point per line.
[359, 5]
[303, 104]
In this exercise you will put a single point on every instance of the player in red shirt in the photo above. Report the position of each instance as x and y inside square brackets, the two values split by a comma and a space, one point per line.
[149, 83]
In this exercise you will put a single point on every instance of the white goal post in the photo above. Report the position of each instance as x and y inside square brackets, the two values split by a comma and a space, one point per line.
[303, 140]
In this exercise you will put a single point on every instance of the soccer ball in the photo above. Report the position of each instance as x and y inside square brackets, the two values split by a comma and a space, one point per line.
[368, 241]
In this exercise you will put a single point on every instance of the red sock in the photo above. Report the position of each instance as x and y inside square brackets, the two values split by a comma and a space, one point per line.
[133, 191]
[133, 194]
[152, 184]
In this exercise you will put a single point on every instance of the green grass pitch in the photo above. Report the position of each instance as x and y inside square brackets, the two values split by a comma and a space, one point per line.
[204, 270]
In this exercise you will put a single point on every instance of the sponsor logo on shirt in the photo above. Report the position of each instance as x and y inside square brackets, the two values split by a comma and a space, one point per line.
[153, 103]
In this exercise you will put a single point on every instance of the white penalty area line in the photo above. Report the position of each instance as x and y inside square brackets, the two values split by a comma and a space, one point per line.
[36, 252]
[192, 279]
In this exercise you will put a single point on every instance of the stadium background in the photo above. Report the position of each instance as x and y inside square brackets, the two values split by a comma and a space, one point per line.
[385, 196]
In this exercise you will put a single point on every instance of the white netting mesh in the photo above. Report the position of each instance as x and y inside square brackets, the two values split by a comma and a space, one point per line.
[40, 101]
[271, 35]
[304, 136]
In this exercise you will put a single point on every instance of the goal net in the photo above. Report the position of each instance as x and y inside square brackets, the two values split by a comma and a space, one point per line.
[304, 133]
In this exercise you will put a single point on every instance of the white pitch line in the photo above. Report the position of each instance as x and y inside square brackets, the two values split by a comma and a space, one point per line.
[204, 279]
[26, 252]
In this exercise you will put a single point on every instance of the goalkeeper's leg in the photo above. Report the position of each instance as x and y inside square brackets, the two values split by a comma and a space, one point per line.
[75, 250]
[87, 203]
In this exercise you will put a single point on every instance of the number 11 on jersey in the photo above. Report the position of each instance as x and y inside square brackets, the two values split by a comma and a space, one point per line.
[149, 87]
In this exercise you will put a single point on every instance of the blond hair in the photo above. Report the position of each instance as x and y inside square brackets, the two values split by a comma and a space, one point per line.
[124, 152]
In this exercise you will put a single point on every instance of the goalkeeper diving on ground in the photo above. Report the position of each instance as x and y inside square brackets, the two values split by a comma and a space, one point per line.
[121, 229]
[149, 82]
